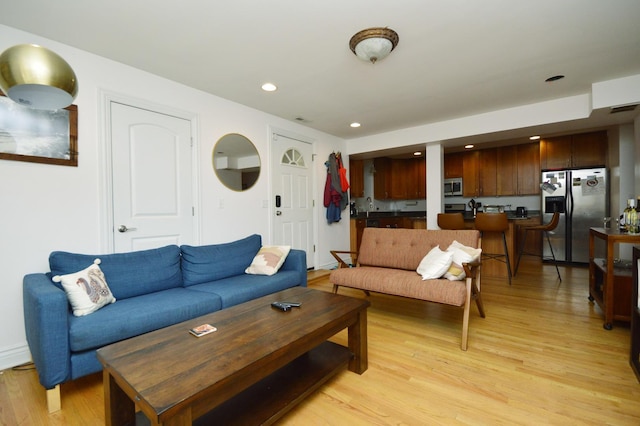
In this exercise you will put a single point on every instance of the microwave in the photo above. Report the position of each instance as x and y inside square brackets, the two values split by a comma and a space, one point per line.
[453, 187]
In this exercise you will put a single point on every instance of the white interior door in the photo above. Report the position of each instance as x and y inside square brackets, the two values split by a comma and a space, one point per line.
[292, 201]
[151, 179]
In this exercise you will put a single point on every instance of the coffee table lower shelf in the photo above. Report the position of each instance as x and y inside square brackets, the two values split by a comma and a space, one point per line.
[269, 399]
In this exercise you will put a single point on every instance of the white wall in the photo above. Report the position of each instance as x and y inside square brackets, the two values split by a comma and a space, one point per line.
[47, 207]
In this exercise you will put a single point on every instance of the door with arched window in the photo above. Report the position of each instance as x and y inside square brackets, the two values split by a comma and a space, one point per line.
[292, 200]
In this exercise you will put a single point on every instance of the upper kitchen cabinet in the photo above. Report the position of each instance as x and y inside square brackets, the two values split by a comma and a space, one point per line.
[453, 165]
[528, 165]
[356, 178]
[399, 179]
[574, 151]
[382, 178]
[505, 171]
[479, 173]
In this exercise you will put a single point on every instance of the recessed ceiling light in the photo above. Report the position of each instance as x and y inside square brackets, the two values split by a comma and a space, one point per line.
[354, 124]
[269, 87]
[534, 138]
[417, 153]
[554, 78]
[468, 146]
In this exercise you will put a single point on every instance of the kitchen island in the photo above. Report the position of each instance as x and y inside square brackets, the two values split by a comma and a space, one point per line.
[490, 243]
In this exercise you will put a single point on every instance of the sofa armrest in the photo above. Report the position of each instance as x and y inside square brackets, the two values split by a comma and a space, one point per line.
[297, 261]
[341, 263]
[472, 269]
[46, 311]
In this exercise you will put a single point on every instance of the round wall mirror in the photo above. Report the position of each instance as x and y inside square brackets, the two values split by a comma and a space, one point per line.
[236, 162]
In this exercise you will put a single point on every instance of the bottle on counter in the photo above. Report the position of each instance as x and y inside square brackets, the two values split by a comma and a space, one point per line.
[631, 223]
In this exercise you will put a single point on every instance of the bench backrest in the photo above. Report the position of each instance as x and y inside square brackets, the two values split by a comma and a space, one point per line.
[404, 248]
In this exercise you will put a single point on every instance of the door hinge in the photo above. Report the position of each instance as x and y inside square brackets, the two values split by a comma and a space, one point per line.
[193, 211]
[314, 248]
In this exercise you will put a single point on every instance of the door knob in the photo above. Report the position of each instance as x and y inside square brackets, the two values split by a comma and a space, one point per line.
[123, 228]
[278, 213]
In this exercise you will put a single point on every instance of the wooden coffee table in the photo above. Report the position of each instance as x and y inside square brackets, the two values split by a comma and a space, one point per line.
[256, 367]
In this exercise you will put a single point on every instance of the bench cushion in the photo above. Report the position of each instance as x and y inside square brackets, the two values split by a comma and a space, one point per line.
[405, 248]
[399, 282]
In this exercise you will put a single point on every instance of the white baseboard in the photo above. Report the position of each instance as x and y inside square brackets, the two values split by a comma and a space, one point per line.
[14, 356]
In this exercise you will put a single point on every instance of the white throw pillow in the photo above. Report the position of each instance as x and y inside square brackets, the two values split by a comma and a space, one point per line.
[461, 254]
[434, 264]
[268, 260]
[87, 290]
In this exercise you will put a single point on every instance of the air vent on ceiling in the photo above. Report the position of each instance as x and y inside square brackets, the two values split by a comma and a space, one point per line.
[624, 108]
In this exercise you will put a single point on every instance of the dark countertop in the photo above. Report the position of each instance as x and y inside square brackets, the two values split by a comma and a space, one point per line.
[468, 215]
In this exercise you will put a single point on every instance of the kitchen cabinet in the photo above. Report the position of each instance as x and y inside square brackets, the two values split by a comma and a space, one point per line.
[453, 165]
[574, 151]
[528, 166]
[507, 171]
[479, 173]
[356, 178]
[510, 170]
[382, 178]
[399, 179]
[417, 187]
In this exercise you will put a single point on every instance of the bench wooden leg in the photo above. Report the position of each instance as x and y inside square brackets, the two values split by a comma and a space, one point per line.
[53, 399]
[335, 288]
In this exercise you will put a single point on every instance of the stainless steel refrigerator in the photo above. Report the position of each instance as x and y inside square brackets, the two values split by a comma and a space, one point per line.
[582, 198]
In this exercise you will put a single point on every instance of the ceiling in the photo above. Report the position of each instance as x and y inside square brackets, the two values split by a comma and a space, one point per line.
[455, 58]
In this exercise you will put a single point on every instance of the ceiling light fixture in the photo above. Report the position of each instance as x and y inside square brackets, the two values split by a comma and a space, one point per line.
[269, 87]
[373, 44]
[534, 138]
[37, 77]
[554, 78]
[468, 146]
[354, 124]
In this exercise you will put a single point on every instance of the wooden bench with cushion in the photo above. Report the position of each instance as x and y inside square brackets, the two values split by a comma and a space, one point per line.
[388, 259]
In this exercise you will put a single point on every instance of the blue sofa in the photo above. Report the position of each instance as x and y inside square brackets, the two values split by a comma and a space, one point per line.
[153, 289]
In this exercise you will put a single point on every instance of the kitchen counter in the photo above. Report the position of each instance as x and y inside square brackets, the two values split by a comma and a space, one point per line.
[468, 215]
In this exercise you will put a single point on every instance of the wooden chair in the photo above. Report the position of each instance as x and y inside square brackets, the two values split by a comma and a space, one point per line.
[546, 228]
[451, 221]
[495, 222]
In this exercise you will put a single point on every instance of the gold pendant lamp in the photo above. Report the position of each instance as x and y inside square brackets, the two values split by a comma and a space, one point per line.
[36, 77]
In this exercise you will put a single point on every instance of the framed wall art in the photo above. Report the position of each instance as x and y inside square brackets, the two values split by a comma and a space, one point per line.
[38, 136]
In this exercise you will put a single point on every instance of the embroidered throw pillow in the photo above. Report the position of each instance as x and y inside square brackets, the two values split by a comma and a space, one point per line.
[434, 264]
[461, 254]
[87, 290]
[268, 260]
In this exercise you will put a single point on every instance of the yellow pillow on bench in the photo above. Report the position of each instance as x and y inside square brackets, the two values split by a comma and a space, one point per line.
[461, 254]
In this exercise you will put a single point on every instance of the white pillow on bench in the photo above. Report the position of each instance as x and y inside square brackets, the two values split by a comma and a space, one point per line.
[435, 264]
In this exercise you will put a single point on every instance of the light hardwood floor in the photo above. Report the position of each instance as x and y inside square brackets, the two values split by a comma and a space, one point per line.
[541, 356]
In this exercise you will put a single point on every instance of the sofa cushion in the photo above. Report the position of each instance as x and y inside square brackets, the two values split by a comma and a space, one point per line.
[87, 290]
[242, 288]
[137, 315]
[268, 260]
[128, 274]
[203, 264]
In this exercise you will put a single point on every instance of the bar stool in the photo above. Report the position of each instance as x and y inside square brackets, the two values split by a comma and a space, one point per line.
[495, 222]
[451, 221]
[546, 228]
